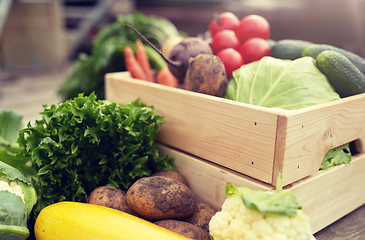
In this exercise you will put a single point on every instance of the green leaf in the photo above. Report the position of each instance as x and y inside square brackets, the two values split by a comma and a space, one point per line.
[10, 126]
[30, 196]
[17, 161]
[280, 202]
[285, 84]
[337, 156]
[13, 217]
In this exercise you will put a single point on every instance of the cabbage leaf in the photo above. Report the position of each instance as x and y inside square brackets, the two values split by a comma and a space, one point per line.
[286, 84]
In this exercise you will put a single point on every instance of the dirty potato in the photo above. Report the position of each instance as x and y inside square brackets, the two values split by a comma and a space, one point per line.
[158, 197]
[171, 174]
[111, 197]
[184, 228]
[202, 215]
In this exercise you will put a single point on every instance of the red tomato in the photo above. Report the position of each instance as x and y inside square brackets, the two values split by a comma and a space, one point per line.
[254, 49]
[223, 21]
[253, 26]
[231, 59]
[225, 39]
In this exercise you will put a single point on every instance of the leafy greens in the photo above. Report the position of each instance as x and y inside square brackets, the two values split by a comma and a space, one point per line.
[106, 56]
[10, 124]
[84, 143]
[14, 217]
[337, 156]
[286, 84]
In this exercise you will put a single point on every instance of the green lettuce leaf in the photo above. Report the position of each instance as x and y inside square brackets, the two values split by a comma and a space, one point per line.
[337, 156]
[14, 217]
[286, 84]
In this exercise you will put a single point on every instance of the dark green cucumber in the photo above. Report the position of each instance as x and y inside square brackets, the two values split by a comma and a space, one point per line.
[271, 42]
[314, 50]
[289, 48]
[343, 75]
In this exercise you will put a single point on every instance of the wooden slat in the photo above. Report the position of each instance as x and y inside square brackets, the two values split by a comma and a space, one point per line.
[325, 196]
[311, 132]
[208, 180]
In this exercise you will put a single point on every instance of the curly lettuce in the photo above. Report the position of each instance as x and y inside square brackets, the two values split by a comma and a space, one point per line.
[84, 143]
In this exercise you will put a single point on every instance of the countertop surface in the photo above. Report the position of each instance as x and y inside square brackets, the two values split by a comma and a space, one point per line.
[28, 93]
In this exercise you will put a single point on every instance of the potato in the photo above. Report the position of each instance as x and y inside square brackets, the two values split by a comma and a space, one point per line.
[171, 174]
[202, 215]
[158, 197]
[111, 197]
[184, 228]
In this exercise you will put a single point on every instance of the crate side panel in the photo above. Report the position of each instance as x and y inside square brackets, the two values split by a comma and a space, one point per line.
[219, 130]
[312, 132]
[208, 180]
[330, 194]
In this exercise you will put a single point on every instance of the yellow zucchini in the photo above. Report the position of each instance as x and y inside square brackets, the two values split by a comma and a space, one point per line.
[74, 220]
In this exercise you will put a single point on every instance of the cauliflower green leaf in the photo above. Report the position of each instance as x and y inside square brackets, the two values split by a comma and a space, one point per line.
[13, 217]
[13, 174]
[281, 202]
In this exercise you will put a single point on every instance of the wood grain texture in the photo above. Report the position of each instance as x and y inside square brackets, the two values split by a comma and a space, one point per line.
[311, 132]
[325, 196]
[232, 134]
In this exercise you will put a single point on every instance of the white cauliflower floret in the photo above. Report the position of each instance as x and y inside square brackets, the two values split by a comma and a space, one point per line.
[237, 222]
[14, 187]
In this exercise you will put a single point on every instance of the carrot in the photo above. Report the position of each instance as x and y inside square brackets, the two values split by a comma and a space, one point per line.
[165, 77]
[132, 64]
[142, 58]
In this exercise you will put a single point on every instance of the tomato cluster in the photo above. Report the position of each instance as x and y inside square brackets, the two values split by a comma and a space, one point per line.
[237, 42]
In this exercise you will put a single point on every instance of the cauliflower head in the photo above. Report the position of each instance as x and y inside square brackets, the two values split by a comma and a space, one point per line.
[11, 186]
[236, 221]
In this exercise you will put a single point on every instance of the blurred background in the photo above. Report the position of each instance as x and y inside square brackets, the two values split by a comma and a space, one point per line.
[40, 40]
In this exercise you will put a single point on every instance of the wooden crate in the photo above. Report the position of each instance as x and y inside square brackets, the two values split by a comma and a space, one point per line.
[256, 141]
[324, 195]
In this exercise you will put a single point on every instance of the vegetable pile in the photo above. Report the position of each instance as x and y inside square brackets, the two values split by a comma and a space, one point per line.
[150, 206]
[86, 152]
[106, 56]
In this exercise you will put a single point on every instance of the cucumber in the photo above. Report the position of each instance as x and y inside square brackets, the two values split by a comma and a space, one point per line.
[271, 42]
[343, 75]
[289, 48]
[314, 50]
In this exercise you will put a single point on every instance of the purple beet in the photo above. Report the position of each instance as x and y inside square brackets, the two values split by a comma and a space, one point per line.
[178, 59]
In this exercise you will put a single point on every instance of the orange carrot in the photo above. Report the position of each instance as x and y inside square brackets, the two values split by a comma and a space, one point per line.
[165, 77]
[142, 58]
[132, 64]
